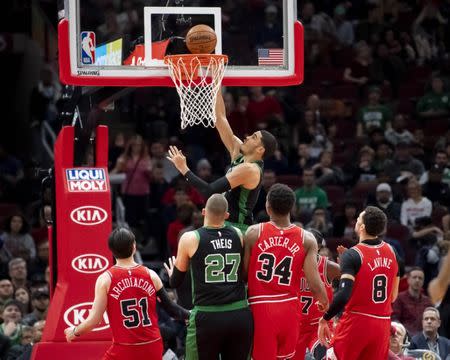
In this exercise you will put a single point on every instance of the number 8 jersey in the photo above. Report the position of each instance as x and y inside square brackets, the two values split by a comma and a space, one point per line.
[276, 264]
[131, 306]
[372, 289]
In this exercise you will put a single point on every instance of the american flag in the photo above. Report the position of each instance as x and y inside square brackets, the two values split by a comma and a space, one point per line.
[270, 56]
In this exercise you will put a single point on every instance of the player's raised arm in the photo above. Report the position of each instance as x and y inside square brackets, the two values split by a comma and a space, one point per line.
[311, 272]
[97, 311]
[177, 267]
[231, 142]
[246, 174]
[250, 238]
[439, 285]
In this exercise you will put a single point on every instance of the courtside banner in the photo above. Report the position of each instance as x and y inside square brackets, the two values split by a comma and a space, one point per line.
[83, 223]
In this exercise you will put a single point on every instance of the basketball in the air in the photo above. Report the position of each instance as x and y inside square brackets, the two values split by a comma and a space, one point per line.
[201, 39]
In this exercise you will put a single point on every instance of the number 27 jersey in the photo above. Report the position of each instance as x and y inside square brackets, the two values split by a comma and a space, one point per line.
[276, 264]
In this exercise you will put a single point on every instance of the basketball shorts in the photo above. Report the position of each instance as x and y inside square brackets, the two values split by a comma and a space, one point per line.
[222, 330]
[275, 333]
[307, 338]
[360, 337]
[153, 350]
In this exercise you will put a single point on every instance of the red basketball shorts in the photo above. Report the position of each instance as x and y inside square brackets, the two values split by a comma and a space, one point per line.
[152, 351]
[360, 337]
[307, 338]
[275, 333]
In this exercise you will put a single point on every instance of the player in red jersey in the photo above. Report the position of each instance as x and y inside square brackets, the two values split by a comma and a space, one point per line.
[275, 254]
[127, 292]
[310, 314]
[367, 289]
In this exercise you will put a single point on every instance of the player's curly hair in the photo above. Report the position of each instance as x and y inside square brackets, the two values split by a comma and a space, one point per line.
[269, 143]
[121, 242]
[281, 199]
[374, 220]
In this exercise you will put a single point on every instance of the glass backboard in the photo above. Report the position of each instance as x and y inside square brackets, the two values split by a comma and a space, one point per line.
[123, 43]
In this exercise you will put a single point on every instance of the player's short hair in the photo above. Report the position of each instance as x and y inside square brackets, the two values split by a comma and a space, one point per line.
[374, 220]
[121, 243]
[217, 205]
[269, 143]
[281, 199]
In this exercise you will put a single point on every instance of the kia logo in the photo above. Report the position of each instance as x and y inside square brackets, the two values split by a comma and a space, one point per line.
[78, 313]
[90, 263]
[88, 215]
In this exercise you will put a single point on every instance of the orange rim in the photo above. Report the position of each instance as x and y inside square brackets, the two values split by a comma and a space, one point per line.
[188, 65]
[204, 59]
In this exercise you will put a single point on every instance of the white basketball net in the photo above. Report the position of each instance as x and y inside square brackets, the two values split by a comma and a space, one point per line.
[197, 81]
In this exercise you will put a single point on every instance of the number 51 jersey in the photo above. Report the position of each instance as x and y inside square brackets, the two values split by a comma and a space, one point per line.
[132, 306]
[276, 264]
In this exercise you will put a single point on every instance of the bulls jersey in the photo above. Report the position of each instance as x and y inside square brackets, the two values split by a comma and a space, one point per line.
[276, 264]
[310, 312]
[373, 285]
[132, 305]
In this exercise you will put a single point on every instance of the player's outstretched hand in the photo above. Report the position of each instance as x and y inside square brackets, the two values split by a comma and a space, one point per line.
[324, 333]
[178, 159]
[70, 334]
[171, 266]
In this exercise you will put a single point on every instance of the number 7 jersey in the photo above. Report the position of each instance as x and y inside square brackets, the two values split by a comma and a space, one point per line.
[276, 264]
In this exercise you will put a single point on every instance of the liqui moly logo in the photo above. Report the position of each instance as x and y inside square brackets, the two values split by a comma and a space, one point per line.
[76, 314]
[86, 180]
[90, 263]
[88, 215]
[87, 47]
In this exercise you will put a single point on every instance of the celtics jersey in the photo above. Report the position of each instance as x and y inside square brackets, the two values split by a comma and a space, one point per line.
[241, 201]
[216, 267]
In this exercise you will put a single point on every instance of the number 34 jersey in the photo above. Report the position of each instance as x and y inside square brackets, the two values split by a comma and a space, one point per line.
[131, 306]
[276, 264]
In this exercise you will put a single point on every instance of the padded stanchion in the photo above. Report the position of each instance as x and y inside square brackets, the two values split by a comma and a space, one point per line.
[83, 224]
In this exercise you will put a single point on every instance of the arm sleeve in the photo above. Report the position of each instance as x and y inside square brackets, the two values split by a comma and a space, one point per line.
[172, 308]
[177, 278]
[350, 264]
[340, 299]
[216, 187]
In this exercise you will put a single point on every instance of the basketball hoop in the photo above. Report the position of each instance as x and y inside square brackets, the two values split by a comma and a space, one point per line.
[197, 78]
